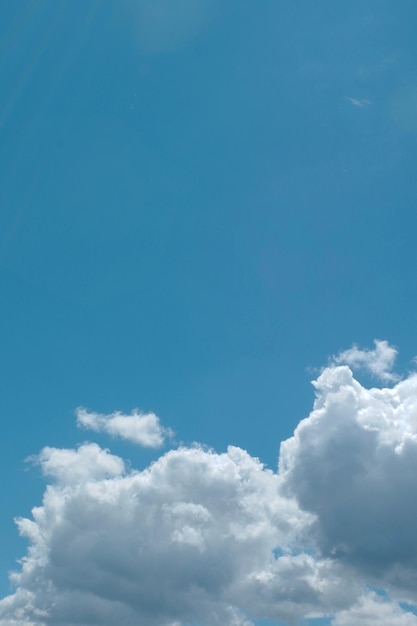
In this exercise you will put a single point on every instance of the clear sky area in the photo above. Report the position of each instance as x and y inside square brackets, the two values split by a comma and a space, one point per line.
[204, 206]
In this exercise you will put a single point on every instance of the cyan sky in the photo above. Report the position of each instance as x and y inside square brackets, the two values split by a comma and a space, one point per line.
[198, 202]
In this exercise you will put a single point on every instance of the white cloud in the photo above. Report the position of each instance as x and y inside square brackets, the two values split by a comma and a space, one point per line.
[378, 362]
[217, 539]
[89, 462]
[371, 610]
[142, 428]
[190, 539]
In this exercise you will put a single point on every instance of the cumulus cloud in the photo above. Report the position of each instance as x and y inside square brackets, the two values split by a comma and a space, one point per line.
[142, 428]
[378, 362]
[353, 463]
[89, 462]
[216, 539]
[190, 539]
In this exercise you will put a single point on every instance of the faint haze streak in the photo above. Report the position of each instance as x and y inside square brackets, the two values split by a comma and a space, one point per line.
[24, 77]
[168, 25]
[17, 91]
[358, 102]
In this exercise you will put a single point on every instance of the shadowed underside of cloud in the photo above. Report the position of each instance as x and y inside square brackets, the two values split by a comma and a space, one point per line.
[216, 539]
[352, 464]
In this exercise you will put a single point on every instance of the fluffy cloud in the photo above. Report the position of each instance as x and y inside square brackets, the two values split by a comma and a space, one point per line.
[379, 362]
[353, 464]
[216, 539]
[190, 539]
[372, 609]
[141, 428]
[89, 462]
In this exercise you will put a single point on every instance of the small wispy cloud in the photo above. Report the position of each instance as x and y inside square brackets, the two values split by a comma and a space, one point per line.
[358, 102]
[379, 362]
[143, 429]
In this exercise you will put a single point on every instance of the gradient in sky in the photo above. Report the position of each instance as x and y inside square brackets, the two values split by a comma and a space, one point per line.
[202, 203]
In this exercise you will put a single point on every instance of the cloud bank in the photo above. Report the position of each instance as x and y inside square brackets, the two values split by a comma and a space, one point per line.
[219, 540]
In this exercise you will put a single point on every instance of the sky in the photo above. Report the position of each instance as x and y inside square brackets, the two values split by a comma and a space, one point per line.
[205, 205]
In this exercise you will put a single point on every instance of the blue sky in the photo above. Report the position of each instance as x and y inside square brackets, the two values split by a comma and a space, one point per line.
[201, 202]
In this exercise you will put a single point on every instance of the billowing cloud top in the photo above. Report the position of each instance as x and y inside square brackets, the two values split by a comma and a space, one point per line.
[217, 539]
[89, 462]
[141, 428]
[378, 362]
[353, 463]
